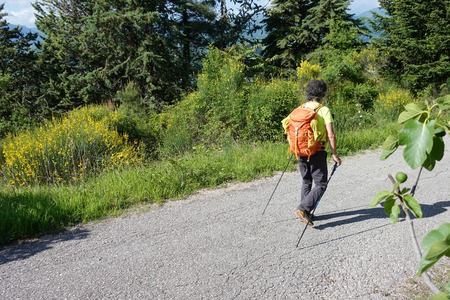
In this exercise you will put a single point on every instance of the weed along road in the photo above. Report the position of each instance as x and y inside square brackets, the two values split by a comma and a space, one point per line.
[218, 245]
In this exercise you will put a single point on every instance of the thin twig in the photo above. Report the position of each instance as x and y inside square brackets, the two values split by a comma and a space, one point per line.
[414, 240]
[413, 189]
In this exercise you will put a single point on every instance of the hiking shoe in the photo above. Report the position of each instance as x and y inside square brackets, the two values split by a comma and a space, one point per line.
[304, 217]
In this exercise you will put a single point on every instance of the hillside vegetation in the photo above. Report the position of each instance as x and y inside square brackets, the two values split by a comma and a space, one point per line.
[98, 160]
[130, 102]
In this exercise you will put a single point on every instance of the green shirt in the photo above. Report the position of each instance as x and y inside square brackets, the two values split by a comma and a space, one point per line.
[323, 117]
[318, 124]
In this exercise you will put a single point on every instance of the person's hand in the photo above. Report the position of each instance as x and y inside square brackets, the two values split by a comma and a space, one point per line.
[337, 159]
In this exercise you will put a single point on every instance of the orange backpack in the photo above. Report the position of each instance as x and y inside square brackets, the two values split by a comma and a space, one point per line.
[300, 134]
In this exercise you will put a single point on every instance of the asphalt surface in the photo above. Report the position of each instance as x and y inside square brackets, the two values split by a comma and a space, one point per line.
[218, 245]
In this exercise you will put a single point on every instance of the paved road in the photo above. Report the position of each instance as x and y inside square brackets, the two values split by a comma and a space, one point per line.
[217, 245]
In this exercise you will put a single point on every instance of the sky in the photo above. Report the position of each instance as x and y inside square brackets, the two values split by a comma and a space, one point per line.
[20, 12]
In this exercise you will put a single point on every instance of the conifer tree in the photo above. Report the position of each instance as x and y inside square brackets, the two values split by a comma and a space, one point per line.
[416, 42]
[297, 28]
[19, 77]
[330, 25]
[94, 49]
[286, 42]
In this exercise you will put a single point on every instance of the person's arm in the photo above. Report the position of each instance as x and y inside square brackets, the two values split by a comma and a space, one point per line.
[332, 140]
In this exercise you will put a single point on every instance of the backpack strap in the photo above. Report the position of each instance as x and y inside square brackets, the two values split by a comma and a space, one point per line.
[316, 109]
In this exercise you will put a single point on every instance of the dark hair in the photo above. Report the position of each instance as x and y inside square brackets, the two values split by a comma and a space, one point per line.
[316, 89]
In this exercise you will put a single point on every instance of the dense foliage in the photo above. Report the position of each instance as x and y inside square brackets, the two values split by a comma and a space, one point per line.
[19, 78]
[95, 52]
[298, 28]
[68, 150]
[417, 44]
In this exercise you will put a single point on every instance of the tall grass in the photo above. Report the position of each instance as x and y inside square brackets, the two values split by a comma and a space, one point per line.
[29, 212]
[26, 212]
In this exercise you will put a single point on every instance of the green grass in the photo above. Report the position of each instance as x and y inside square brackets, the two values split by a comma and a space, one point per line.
[353, 141]
[30, 212]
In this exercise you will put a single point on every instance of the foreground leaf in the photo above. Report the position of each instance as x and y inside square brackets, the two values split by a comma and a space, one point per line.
[412, 111]
[438, 250]
[436, 235]
[395, 212]
[390, 202]
[413, 205]
[425, 265]
[437, 244]
[379, 197]
[418, 139]
[389, 146]
[440, 296]
[436, 154]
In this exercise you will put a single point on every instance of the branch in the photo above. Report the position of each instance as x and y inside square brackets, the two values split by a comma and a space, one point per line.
[412, 232]
[413, 189]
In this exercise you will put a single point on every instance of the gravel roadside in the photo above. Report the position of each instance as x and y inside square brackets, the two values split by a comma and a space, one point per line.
[217, 244]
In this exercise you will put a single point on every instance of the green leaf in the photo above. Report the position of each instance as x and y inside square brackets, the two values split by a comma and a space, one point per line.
[439, 131]
[395, 212]
[438, 250]
[412, 111]
[388, 204]
[440, 296]
[389, 146]
[425, 265]
[396, 186]
[379, 197]
[437, 152]
[436, 235]
[418, 139]
[437, 244]
[429, 163]
[405, 191]
[413, 205]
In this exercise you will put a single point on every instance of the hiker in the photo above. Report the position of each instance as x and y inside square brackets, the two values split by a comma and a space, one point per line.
[313, 168]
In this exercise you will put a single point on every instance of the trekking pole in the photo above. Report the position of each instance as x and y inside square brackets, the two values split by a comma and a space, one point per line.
[317, 203]
[285, 168]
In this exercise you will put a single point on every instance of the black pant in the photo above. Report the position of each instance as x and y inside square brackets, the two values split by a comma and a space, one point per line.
[313, 171]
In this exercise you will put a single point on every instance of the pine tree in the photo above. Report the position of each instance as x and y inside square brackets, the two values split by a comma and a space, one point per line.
[297, 28]
[287, 42]
[194, 23]
[94, 49]
[331, 26]
[19, 78]
[416, 42]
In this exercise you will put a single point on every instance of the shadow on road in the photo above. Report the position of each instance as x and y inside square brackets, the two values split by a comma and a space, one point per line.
[351, 216]
[359, 215]
[431, 210]
[343, 237]
[28, 249]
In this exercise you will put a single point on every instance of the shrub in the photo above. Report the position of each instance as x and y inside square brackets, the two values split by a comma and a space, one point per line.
[67, 150]
[139, 128]
[307, 72]
[221, 92]
[181, 125]
[268, 104]
[389, 104]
